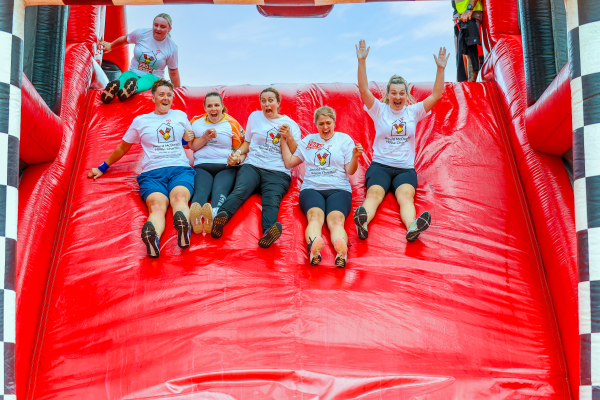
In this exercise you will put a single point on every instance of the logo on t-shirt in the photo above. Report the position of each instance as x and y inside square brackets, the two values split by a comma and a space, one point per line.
[399, 128]
[146, 61]
[313, 145]
[165, 133]
[273, 136]
[322, 158]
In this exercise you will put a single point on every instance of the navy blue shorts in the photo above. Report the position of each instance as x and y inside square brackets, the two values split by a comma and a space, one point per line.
[389, 177]
[326, 200]
[163, 180]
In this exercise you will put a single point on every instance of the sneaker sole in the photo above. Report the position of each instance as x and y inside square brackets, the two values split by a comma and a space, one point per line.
[271, 236]
[128, 89]
[359, 220]
[208, 217]
[109, 92]
[182, 227]
[340, 259]
[217, 226]
[196, 218]
[423, 223]
[149, 239]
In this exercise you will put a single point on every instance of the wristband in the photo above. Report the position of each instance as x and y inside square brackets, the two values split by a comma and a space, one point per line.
[183, 141]
[103, 167]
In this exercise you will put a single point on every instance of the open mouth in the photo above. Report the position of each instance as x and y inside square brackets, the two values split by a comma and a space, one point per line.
[326, 132]
[398, 103]
[214, 114]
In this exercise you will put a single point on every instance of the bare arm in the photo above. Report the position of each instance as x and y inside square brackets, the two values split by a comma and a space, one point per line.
[116, 155]
[174, 75]
[239, 155]
[363, 83]
[201, 141]
[109, 46]
[438, 86]
[352, 166]
[289, 159]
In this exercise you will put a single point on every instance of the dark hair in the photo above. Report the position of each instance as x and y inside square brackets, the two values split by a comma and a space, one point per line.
[215, 94]
[161, 82]
[274, 91]
[397, 80]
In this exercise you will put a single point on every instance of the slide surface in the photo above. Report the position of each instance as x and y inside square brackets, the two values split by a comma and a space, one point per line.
[463, 313]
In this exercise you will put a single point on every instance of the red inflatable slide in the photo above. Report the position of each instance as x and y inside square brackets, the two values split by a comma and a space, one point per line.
[483, 306]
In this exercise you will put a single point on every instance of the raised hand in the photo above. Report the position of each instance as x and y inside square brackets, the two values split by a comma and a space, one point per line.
[285, 132]
[210, 133]
[362, 51]
[188, 135]
[357, 151]
[95, 173]
[106, 46]
[442, 59]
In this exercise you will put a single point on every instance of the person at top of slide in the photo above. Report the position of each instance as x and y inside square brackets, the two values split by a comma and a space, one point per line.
[263, 170]
[166, 177]
[329, 157]
[395, 118]
[153, 51]
[217, 134]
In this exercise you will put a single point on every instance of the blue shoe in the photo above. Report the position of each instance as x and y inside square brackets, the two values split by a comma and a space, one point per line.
[150, 239]
[183, 228]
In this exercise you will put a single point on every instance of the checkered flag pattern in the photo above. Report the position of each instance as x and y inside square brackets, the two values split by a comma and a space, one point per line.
[583, 24]
[12, 16]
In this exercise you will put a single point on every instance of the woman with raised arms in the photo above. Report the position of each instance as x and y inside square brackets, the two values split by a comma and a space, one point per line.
[166, 177]
[264, 170]
[153, 51]
[217, 134]
[329, 157]
[393, 167]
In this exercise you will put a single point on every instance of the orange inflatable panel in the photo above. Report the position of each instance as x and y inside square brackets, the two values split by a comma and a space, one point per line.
[463, 313]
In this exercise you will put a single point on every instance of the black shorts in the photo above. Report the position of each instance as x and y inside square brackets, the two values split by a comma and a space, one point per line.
[326, 200]
[388, 177]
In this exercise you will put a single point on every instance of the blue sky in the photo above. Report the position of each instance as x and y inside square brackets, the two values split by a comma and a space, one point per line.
[234, 44]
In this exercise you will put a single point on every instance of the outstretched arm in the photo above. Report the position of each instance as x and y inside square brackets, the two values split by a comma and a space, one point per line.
[438, 86]
[109, 46]
[362, 51]
[116, 155]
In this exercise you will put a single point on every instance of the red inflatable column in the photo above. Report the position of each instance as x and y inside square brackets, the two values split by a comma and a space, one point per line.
[115, 27]
[583, 25]
[12, 19]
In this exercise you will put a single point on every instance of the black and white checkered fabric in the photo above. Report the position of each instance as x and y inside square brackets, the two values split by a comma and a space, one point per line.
[12, 16]
[583, 24]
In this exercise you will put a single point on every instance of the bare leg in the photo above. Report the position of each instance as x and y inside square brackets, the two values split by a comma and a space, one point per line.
[315, 217]
[405, 195]
[375, 196]
[179, 197]
[335, 223]
[157, 206]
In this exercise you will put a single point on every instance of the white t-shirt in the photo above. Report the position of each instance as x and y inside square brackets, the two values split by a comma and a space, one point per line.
[160, 136]
[230, 135]
[263, 135]
[325, 161]
[394, 143]
[151, 56]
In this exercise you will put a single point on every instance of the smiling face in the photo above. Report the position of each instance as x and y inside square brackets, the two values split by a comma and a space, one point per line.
[213, 108]
[269, 105]
[397, 96]
[160, 28]
[163, 98]
[325, 126]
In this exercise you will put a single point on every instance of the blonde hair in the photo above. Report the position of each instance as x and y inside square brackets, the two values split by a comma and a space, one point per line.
[325, 111]
[397, 80]
[167, 17]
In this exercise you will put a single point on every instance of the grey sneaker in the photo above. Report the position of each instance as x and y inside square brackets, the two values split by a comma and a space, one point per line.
[418, 225]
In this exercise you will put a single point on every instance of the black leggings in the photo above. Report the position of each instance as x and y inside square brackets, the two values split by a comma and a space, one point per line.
[272, 185]
[216, 178]
[326, 200]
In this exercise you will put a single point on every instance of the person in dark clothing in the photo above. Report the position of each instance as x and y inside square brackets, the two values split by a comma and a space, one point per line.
[263, 171]
[468, 13]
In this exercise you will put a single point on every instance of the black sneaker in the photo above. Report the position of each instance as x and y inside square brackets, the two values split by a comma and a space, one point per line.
[183, 228]
[128, 89]
[150, 239]
[418, 225]
[110, 91]
[218, 223]
[271, 235]
[360, 219]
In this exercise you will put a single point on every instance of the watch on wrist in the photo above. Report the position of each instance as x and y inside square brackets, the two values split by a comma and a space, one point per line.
[470, 7]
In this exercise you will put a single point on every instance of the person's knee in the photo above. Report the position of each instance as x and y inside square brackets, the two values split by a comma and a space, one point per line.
[179, 196]
[405, 193]
[156, 206]
[315, 215]
[375, 192]
[335, 219]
